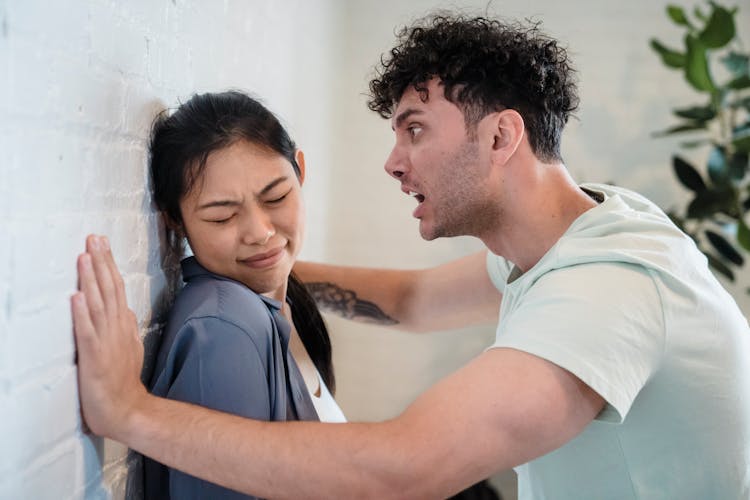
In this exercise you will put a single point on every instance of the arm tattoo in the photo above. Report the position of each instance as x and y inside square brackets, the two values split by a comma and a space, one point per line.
[345, 303]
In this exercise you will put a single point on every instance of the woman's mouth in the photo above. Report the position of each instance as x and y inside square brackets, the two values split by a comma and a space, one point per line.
[265, 259]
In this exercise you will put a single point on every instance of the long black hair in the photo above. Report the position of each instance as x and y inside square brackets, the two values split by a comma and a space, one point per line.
[180, 145]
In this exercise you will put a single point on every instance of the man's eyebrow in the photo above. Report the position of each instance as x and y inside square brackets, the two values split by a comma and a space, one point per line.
[404, 115]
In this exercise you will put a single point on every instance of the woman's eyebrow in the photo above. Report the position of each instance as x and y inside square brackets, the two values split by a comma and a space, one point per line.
[273, 184]
[218, 203]
[234, 203]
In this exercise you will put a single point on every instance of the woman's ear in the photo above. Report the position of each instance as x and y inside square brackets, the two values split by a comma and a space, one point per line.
[175, 238]
[299, 157]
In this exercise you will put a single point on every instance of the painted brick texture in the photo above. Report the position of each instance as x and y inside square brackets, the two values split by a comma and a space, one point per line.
[80, 83]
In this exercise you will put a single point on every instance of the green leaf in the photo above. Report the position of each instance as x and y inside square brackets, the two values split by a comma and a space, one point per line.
[707, 203]
[741, 82]
[737, 64]
[677, 15]
[741, 103]
[738, 164]
[743, 234]
[719, 29]
[724, 248]
[696, 65]
[741, 141]
[677, 220]
[669, 57]
[695, 144]
[718, 168]
[719, 266]
[699, 14]
[688, 175]
[685, 127]
[698, 113]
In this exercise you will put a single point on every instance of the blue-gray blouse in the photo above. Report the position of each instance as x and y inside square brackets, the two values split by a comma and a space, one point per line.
[224, 347]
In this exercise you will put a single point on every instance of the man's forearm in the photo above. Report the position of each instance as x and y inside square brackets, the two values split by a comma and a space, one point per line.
[273, 460]
[346, 303]
[367, 295]
[455, 434]
[455, 294]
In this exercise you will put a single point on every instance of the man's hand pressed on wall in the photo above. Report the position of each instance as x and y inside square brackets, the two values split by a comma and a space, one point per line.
[110, 352]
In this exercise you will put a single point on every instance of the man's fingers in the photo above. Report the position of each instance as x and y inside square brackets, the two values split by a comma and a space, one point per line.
[90, 288]
[95, 247]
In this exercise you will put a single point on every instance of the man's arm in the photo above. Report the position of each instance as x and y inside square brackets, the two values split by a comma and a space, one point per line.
[452, 295]
[504, 408]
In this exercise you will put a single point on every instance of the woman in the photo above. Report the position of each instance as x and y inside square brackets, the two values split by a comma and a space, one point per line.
[243, 335]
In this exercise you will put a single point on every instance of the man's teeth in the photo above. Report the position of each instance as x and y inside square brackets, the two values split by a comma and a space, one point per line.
[419, 197]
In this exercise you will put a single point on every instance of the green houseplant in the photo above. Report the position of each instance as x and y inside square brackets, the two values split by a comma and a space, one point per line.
[715, 64]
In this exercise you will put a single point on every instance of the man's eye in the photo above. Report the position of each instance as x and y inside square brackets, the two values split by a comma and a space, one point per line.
[414, 130]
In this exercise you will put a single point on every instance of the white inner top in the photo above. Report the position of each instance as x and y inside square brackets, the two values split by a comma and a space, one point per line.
[326, 407]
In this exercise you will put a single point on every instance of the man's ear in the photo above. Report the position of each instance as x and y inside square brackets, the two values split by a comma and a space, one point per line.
[508, 131]
[299, 157]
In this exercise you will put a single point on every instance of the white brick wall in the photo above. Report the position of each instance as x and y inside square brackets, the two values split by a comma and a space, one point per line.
[80, 83]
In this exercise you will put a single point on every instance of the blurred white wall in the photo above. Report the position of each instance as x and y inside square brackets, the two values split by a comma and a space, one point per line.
[626, 94]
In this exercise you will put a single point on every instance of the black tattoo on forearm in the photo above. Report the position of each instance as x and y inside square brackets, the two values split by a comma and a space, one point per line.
[332, 298]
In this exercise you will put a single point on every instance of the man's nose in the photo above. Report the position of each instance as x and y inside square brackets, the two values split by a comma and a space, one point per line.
[395, 165]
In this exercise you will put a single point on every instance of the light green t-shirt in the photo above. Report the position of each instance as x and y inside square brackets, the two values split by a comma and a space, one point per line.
[626, 302]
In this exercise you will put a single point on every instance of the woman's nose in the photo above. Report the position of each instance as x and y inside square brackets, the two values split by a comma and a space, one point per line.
[258, 229]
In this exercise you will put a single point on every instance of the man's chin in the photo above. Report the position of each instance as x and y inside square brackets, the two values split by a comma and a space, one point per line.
[426, 232]
[429, 233]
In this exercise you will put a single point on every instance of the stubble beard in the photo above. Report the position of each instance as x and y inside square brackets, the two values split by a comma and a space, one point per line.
[465, 207]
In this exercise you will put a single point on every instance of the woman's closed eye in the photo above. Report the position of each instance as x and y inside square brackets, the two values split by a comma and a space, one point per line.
[278, 199]
[221, 220]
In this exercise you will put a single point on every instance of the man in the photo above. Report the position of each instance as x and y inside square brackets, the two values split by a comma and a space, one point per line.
[621, 368]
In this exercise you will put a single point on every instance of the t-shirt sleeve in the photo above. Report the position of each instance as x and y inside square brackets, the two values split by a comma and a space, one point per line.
[498, 269]
[602, 322]
[216, 365]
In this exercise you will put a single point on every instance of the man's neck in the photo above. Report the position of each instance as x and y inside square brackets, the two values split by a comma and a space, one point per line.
[537, 212]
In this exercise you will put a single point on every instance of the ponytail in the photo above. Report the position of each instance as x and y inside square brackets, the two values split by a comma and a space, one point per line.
[312, 329]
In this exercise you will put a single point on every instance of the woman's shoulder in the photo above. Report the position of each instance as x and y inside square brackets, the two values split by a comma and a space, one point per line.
[214, 315]
[212, 297]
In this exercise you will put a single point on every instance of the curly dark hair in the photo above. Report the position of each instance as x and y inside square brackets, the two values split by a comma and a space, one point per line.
[485, 65]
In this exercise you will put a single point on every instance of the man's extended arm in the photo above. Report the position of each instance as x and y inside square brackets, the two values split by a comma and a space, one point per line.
[455, 294]
[504, 408]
